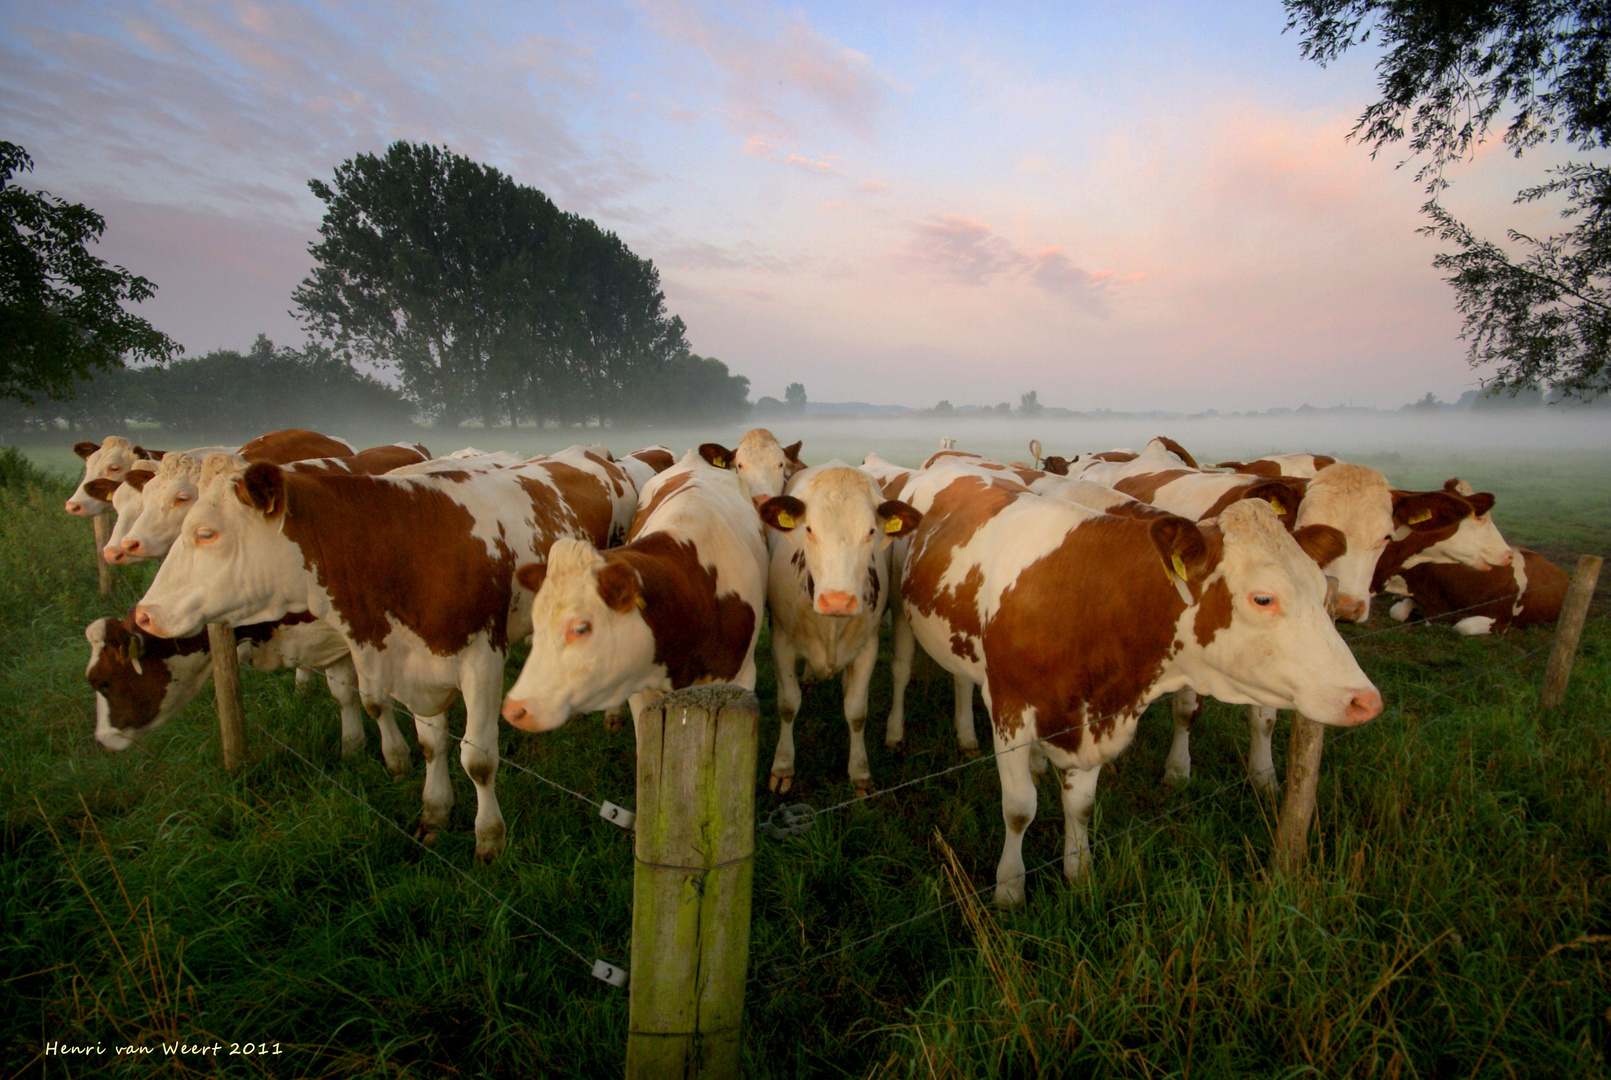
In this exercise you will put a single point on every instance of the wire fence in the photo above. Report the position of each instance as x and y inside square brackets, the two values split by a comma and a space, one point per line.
[783, 967]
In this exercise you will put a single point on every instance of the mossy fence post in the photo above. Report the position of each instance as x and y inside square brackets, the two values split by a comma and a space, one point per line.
[1568, 629]
[103, 533]
[1298, 804]
[692, 882]
[227, 687]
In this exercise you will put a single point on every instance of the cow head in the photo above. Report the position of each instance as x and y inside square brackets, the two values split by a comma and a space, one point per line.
[140, 681]
[837, 520]
[1356, 501]
[590, 645]
[1447, 526]
[1262, 622]
[232, 562]
[764, 463]
[167, 498]
[127, 499]
[112, 460]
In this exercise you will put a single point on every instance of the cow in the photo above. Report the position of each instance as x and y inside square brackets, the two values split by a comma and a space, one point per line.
[1529, 591]
[416, 573]
[827, 586]
[141, 681]
[125, 497]
[759, 458]
[1303, 466]
[679, 604]
[168, 496]
[1061, 614]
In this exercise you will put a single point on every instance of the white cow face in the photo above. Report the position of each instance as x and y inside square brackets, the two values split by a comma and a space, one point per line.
[167, 498]
[834, 521]
[1276, 645]
[127, 499]
[232, 562]
[112, 460]
[139, 682]
[590, 646]
[1476, 542]
[1356, 501]
[765, 465]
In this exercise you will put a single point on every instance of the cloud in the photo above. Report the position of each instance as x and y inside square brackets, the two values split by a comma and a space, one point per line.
[971, 253]
[823, 168]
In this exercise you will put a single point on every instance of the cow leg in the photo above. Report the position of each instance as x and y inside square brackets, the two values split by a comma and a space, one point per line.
[437, 798]
[904, 643]
[1261, 749]
[857, 677]
[1079, 793]
[478, 753]
[1475, 625]
[1017, 811]
[393, 747]
[1186, 707]
[615, 717]
[343, 683]
[967, 739]
[304, 679]
[1402, 610]
[785, 659]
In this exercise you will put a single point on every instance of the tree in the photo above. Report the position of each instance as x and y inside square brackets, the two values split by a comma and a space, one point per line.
[692, 389]
[1542, 311]
[1029, 404]
[794, 396]
[61, 314]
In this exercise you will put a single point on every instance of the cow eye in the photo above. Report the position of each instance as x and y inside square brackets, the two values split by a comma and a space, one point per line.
[1263, 600]
[182, 498]
[206, 536]
[577, 630]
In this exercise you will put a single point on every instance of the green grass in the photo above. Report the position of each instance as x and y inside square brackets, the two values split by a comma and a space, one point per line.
[1454, 919]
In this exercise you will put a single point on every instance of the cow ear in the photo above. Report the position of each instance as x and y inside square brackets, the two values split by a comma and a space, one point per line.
[1057, 466]
[101, 488]
[262, 487]
[1456, 486]
[898, 519]
[530, 575]
[139, 478]
[1482, 502]
[1424, 511]
[716, 454]
[1322, 543]
[792, 452]
[618, 587]
[1278, 495]
[85, 449]
[1323, 462]
[142, 454]
[1181, 545]
[782, 512]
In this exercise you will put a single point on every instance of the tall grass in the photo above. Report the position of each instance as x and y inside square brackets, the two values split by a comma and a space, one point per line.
[1453, 919]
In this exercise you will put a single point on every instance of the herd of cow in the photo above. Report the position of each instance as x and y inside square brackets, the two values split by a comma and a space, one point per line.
[1072, 592]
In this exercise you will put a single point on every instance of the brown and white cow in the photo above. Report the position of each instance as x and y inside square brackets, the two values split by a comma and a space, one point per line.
[1073, 621]
[416, 574]
[1303, 466]
[679, 604]
[827, 588]
[1527, 592]
[759, 458]
[141, 681]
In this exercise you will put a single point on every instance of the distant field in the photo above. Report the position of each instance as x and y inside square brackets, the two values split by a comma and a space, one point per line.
[1455, 919]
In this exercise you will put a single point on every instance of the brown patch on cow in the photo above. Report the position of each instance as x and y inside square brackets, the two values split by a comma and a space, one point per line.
[370, 462]
[1322, 543]
[1027, 475]
[1082, 632]
[1438, 527]
[262, 487]
[85, 449]
[664, 492]
[961, 509]
[875, 588]
[134, 698]
[1251, 468]
[1427, 511]
[941, 455]
[102, 487]
[1449, 592]
[1146, 485]
[1176, 449]
[581, 506]
[656, 459]
[894, 487]
[405, 551]
[530, 576]
[1213, 612]
[482, 771]
[699, 634]
[1321, 461]
[292, 444]
[1284, 493]
[1115, 456]
[138, 478]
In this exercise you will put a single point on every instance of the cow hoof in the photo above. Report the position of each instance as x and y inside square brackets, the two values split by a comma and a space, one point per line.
[1266, 785]
[1010, 895]
[483, 856]
[781, 782]
[399, 769]
[970, 751]
[613, 721]
[351, 748]
[1177, 778]
[427, 837]
[865, 788]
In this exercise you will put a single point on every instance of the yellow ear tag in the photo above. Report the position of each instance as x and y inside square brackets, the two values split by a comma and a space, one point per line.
[640, 601]
[1277, 507]
[785, 519]
[894, 525]
[1180, 567]
[720, 462]
[1424, 515]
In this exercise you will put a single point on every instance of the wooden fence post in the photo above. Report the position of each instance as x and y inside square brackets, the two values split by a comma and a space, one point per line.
[103, 533]
[691, 887]
[227, 686]
[1568, 629]
[1298, 805]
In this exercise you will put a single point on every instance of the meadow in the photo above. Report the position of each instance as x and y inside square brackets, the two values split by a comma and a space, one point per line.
[1454, 918]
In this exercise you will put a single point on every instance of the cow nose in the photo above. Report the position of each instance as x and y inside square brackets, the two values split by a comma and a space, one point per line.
[112, 555]
[1363, 706]
[132, 546]
[142, 619]
[74, 508]
[515, 713]
[1352, 608]
[837, 603]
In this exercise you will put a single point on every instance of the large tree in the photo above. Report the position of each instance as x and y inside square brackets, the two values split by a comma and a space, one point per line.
[1538, 307]
[487, 300]
[61, 308]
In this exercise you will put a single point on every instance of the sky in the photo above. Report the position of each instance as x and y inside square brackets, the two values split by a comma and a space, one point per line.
[1128, 206]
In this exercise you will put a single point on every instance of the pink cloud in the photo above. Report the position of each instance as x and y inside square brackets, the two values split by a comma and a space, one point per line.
[971, 253]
